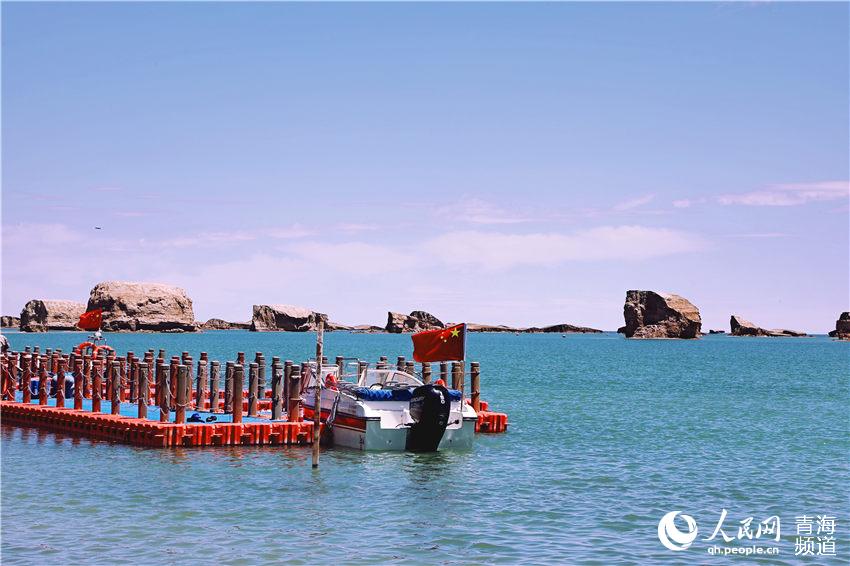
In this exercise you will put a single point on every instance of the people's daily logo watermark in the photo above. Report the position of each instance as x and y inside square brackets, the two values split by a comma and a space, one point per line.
[670, 535]
[815, 535]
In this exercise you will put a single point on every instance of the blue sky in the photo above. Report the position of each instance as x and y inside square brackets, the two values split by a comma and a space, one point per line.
[499, 163]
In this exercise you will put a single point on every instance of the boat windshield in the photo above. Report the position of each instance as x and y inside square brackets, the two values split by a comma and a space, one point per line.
[387, 378]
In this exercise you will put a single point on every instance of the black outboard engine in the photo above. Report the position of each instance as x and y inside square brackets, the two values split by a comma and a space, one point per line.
[429, 408]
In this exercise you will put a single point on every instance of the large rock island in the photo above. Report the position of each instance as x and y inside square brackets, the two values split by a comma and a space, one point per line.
[842, 327]
[130, 307]
[659, 315]
[739, 326]
[287, 318]
[417, 321]
[40, 315]
[221, 324]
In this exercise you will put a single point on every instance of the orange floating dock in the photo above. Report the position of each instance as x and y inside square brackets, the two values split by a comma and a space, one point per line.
[143, 432]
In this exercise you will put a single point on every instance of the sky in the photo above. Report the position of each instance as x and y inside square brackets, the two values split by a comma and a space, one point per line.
[521, 164]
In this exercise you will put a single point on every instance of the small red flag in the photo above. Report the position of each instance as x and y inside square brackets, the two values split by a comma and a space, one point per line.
[441, 345]
[91, 320]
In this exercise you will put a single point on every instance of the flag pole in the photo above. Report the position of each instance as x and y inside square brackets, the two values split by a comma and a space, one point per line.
[317, 399]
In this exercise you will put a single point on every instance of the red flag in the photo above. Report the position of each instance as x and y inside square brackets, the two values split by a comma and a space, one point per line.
[444, 344]
[91, 320]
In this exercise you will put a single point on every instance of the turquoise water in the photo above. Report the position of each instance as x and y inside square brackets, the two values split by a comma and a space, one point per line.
[606, 436]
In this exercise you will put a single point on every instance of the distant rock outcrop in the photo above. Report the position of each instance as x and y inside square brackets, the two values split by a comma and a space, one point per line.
[41, 316]
[842, 327]
[131, 307]
[367, 328]
[739, 326]
[563, 329]
[713, 331]
[287, 318]
[417, 321]
[659, 315]
[220, 324]
[10, 322]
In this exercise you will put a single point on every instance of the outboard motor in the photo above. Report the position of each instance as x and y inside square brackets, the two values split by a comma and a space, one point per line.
[429, 408]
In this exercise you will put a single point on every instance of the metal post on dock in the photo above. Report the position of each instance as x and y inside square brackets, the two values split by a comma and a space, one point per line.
[400, 363]
[287, 374]
[116, 387]
[426, 372]
[261, 375]
[163, 390]
[444, 372]
[190, 381]
[78, 384]
[361, 367]
[410, 367]
[293, 409]
[339, 361]
[201, 390]
[182, 398]
[172, 380]
[277, 390]
[144, 389]
[43, 380]
[228, 387]
[215, 368]
[457, 376]
[60, 382]
[317, 397]
[132, 372]
[238, 384]
[87, 369]
[475, 378]
[253, 388]
[26, 378]
[96, 384]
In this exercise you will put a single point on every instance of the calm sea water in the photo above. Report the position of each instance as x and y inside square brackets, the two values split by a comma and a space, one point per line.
[606, 436]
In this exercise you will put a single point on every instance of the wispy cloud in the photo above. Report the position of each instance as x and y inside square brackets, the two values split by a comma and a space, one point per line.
[633, 203]
[791, 194]
[477, 211]
[502, 251]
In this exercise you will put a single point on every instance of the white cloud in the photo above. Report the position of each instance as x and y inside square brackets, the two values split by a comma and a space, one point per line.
[354, 258]
[633, 203]
[791, 194]
[503, 251]
[38, 235]
[476, 211]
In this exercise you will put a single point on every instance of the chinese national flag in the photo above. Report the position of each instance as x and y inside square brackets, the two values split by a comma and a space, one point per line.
[445, 344]
[91, 320]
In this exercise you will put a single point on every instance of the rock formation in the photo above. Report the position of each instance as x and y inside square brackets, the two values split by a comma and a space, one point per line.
[417, 321]
[130, 307]
[659, 315]
[713, 331]
[286, 318]
[563, 329]
[220, 324]
[842, 327]
[41, 316]
[10, 322]
[739, 326]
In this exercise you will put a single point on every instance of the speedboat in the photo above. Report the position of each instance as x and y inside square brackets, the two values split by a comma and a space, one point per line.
[389, 409]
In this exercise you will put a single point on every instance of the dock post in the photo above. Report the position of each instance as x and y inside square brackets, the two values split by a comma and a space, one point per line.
[172, 380]
[253, 388]
[228, 387]
[340, 365]
[26, 379]
[133, 375]
[190, 381]
[426, 372]
[317, 397]
[201, 390]
[457, 376]
[43, 380]
[410, 367]
[60, 381]
[361, 367]
[293, 409]
[182, 389]
[87, 369]
[261, 375]
[238, 383]
[163, 390]
[116, 388]
[287, 374]
[78, 384]
[475, 376]
[96, 384]
[144, 389]
[400, 363]
[277, 390]
[215, 368]
[444, 372]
